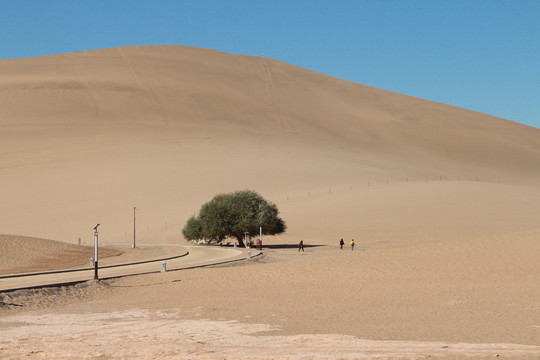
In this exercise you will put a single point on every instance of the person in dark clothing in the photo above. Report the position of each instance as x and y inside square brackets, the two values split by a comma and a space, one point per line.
[301, 245]
[341, 243]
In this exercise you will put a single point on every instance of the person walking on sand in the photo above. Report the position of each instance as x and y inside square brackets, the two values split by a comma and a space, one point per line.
[301, 245]
[352, 244]
[341, 243]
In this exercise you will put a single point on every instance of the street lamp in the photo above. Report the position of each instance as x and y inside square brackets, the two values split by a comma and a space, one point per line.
[134, 209]
[96, 252]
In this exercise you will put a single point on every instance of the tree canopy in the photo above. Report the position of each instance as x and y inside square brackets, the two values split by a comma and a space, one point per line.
[233, 214]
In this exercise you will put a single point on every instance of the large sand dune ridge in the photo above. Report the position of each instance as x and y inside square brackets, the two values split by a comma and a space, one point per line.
[86, 136]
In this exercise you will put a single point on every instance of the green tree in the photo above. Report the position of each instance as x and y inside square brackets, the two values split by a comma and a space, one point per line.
[233, 214]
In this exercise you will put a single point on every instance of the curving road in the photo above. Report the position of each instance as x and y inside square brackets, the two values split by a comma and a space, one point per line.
[193, 256]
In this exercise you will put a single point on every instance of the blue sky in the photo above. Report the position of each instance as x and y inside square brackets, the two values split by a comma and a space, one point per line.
[479, 55]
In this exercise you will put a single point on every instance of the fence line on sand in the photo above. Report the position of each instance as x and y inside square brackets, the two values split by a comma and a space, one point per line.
[368, 184]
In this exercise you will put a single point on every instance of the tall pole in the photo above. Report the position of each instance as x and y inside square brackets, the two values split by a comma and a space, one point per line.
[96, 252]
[134, 209]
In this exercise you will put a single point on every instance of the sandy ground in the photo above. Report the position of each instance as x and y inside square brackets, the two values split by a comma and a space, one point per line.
[442, 202]
[407, 302]
[173, 337]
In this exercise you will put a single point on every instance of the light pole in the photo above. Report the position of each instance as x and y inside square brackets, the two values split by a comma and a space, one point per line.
[96, 252]
[134, 209]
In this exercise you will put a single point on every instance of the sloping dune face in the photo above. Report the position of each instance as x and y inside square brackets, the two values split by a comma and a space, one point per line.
[87, 136]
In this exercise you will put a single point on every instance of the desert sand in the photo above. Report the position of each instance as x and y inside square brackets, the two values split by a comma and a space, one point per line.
[23, 254]
[442, 202]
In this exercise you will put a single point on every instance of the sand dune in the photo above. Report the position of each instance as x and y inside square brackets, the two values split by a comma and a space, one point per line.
[21, 254]
[25, 254]
[443, 204]
[86, 136]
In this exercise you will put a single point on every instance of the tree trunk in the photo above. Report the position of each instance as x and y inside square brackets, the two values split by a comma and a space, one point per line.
[240, 242]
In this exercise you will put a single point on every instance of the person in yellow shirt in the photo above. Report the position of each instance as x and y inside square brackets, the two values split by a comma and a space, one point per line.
[352, 244]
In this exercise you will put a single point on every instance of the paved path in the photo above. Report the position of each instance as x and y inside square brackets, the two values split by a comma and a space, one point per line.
[194, 256]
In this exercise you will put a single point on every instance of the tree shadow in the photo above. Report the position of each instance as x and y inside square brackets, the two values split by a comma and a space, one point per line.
[289, 246]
